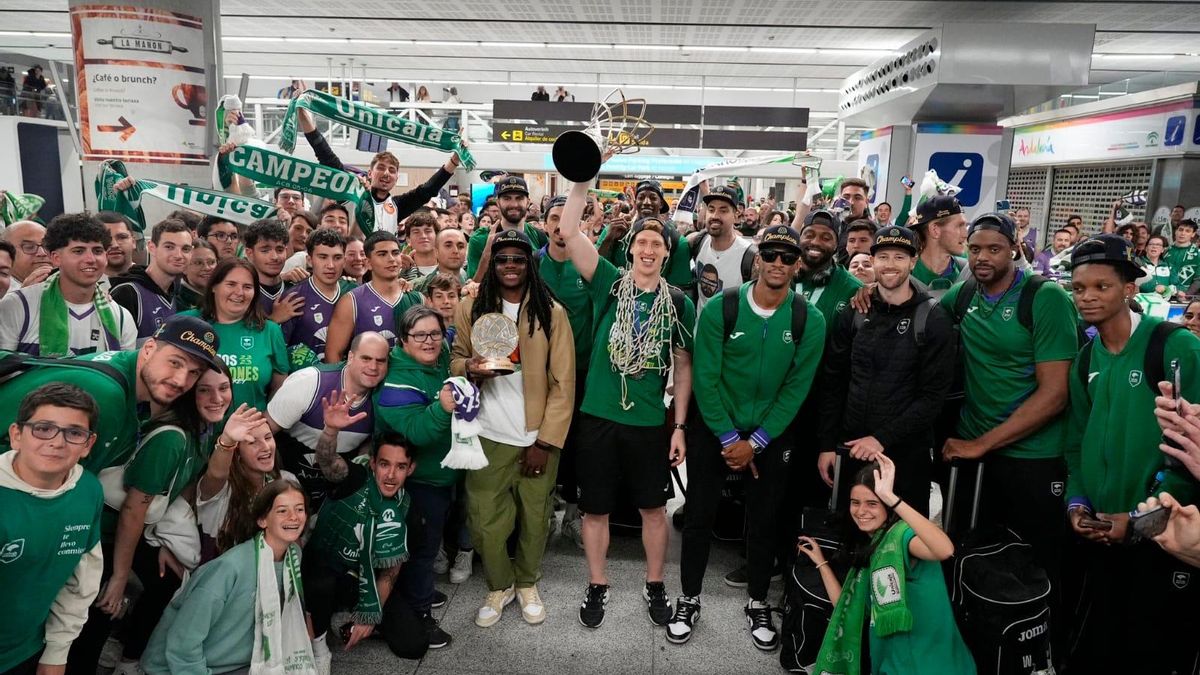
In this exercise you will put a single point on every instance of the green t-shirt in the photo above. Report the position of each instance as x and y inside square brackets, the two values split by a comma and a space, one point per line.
[1184, 262]
[933, 646]
[1112, 440]
[943, 280]
[1160, 275]
[643, 392]
[573, 293]
[679, 264]
[252, 356]
[120, 414]
[41, 543]
[999, 357]
[833, 296]
[166, 461]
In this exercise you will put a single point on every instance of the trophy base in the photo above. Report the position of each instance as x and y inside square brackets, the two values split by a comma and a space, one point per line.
[498, 366]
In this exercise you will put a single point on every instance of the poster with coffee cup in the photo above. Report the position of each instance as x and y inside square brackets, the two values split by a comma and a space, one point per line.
[141, 81]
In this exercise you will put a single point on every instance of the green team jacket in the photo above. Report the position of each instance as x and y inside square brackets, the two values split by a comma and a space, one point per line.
[1112, 435]
[833, 296]
[739, 383]
[1184, 262]
[478, 242]
[679, 264]
[408, 403]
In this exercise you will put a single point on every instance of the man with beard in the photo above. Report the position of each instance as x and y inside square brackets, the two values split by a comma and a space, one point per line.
[941, 230]
[381, 175]
[148, 292]
[68, 314]
[1017, 347]
[120, 253]
[746, 400]
[374, 305]
[614, 240]
[886, 373]
[823, 283]
[512, 207]
[721, 258]
[524, 417]
[32, 264]
[853, 193]
[307, 440]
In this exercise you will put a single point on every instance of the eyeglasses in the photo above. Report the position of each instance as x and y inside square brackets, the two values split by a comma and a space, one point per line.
[224, 236]
[512, 260]
[770, 256]
[48, 431]
[431, 336]
[32, 247]
[203, 262]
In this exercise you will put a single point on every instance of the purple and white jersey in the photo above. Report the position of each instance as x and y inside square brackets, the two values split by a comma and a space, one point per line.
[310, 327]
[267, 298]
[20, 324]
[150, 309]
[373, 313]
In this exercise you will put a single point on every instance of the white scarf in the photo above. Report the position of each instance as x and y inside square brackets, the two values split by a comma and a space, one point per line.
[465, 449]
[281, 643]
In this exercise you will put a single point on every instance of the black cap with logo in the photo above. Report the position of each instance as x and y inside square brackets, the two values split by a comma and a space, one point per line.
[1107, 249]
[512, 238]
[996, 222]
[723, 192]
[895, 237]
[512, 184]
[937, 206]
[821, 217]
[780, 236]
[194, 336]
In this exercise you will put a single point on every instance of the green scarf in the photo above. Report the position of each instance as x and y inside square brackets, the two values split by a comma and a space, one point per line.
[841, 650]
[54, 335]
[17, 206]
[372, 526]
[241, 210]
[372, 120]
[276, 169]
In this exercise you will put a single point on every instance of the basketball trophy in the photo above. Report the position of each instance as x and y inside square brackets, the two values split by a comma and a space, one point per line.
[494, 337]
[618, 124]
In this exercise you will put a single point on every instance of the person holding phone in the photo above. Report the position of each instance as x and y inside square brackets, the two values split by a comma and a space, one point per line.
[1114, 462]
[895, 585]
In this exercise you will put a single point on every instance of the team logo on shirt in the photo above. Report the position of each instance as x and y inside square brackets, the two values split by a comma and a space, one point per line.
[1181, 579]
[1056, 488]
[247, 342]
[902, 327]
[1135, 378]
[319, 317]
[840, 306]
[378, 320]
[1007, 313]
[12, 551]
[787, 337]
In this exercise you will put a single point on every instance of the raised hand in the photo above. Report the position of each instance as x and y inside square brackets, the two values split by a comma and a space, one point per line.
[335, 409]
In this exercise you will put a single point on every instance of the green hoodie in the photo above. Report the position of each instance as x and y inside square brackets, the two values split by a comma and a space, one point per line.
[408, 403]
[1112, 436]
[738, 383]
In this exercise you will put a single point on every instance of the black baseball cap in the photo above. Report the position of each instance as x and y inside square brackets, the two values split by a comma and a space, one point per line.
[641, 225]
[780, 236]
[725, 192]
[511, 238]
[1107, 249]
[996, 222]
[194, 336]
[651, 185]
[895, 237]
[512, 184]
[560, 200]
[937, 206]
[821, 217]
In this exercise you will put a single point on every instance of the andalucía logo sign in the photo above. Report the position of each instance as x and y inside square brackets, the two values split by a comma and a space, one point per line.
[1038, 147]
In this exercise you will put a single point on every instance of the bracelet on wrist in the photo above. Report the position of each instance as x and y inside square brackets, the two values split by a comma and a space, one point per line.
[226, 446]
[822, 564]
[895, 505]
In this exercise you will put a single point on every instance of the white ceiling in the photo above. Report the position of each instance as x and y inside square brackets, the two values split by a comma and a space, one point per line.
[1150, 35]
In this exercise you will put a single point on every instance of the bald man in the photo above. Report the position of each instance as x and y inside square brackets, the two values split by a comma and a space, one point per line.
[32, 263]
[308, 443]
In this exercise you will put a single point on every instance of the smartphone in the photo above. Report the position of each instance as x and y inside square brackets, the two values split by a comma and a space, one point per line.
[1003, 205]
[1176, 386]
[1150, 523]
[1093, 524]
[906, 181]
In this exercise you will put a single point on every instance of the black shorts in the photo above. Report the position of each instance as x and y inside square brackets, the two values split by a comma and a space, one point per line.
[618, 459]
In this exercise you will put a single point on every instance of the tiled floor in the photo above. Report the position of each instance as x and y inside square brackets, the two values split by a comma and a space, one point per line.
[626, 643]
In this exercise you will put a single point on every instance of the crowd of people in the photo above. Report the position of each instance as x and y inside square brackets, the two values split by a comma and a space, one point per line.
[218, 444]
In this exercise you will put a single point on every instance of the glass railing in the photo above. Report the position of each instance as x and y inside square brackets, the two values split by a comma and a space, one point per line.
[1101, 92]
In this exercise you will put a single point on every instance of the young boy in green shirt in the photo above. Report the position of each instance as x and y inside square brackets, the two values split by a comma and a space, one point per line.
[50, 560]
[1114, 462]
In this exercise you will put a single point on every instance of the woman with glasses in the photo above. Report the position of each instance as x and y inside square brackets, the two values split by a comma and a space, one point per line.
[250, 344]
[195, 278]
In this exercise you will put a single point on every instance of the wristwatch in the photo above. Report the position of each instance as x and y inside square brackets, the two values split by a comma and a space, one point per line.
[754, 444]
[680, 425]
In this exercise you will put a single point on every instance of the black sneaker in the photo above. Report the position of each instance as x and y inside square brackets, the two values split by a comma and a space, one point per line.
[439, 599]
[591, 611]
[438, 638]
[687, 613]
[657, 604]
[762, 627]
[739, 579]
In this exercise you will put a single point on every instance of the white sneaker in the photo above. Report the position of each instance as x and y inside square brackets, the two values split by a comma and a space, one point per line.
[461, 571]
[441, 564]
[493, 607]
[532, 609]
[128, 668]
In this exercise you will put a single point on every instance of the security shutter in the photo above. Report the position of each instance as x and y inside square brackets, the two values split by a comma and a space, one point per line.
[1027, 189]
[1090, 191]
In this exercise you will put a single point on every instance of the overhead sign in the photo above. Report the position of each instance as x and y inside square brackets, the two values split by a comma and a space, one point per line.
[140, 77]
[1157, 131]
[506, 132]
[620, 185]
[966, 156]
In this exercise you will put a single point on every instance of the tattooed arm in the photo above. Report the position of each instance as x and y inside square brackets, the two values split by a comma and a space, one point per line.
[336, 409]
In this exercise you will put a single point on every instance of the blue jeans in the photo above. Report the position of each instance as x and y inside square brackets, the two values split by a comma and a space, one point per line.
[426, 520]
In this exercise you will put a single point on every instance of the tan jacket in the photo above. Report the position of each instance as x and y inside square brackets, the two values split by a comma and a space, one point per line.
[548, 367]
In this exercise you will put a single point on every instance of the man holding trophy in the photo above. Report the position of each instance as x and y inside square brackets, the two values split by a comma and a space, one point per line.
[515, 340]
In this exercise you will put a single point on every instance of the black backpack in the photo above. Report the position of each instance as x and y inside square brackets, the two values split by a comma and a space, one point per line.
[1024, 302]
[731, 301]
[920, 319]
[1152, 364]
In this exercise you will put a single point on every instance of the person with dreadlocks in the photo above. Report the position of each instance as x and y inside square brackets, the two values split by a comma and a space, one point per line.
[643, 339]
[524, 417]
